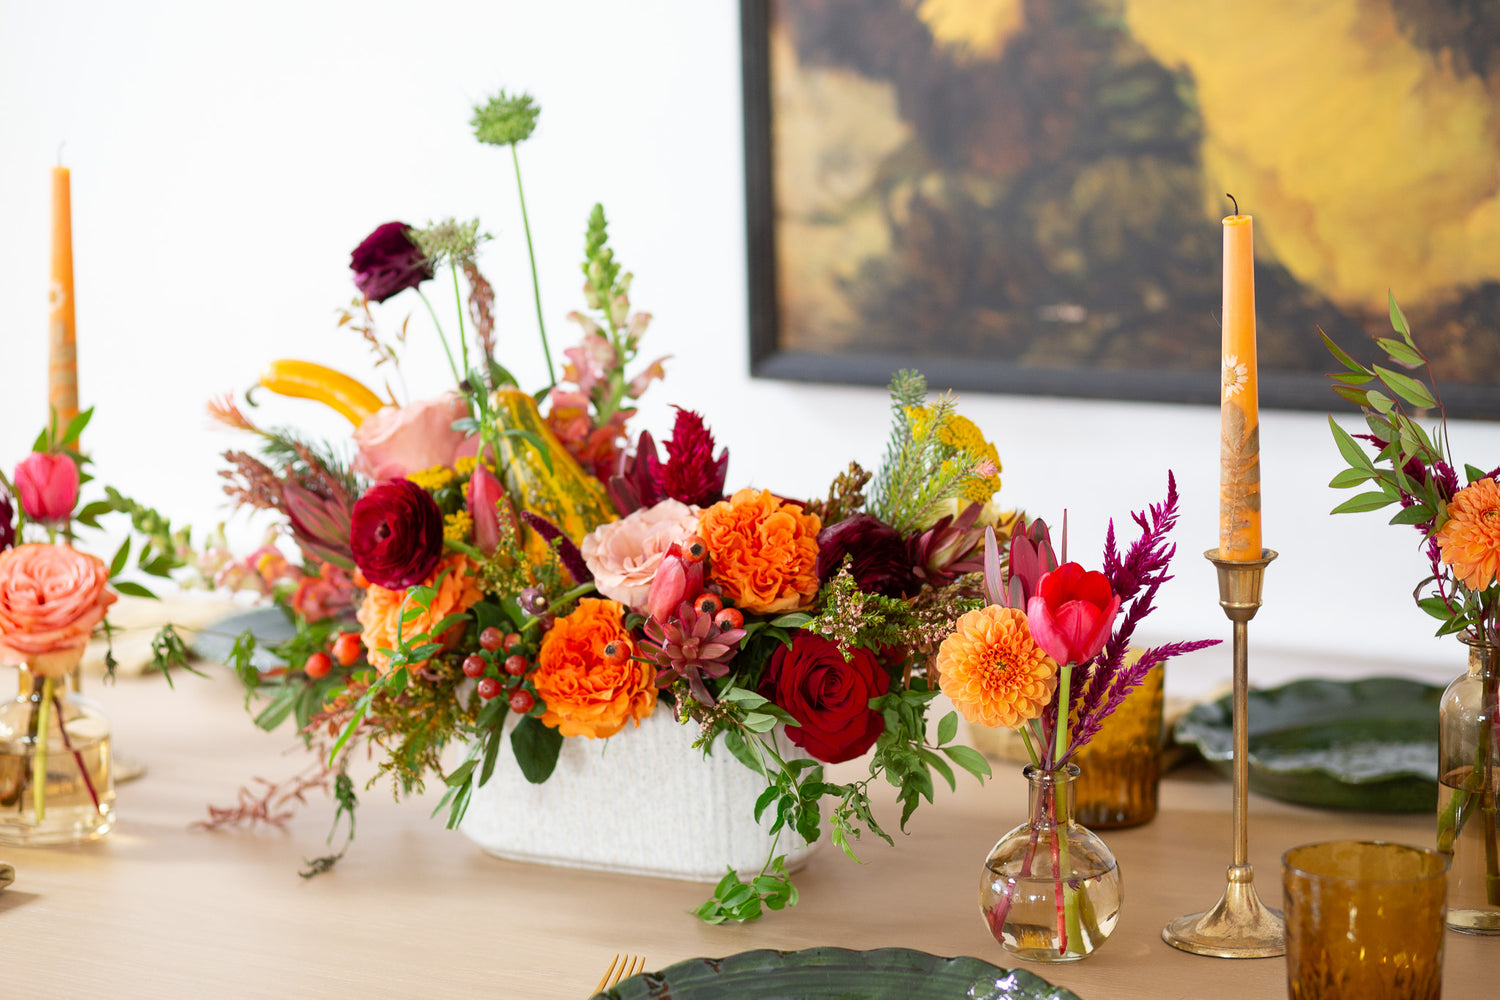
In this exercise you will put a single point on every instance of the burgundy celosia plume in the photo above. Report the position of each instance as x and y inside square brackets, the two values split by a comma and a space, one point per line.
[691, 474]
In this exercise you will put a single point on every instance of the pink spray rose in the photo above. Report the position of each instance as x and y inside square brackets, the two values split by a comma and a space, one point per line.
[1072, 612]
[396, 441]
[48, 486]
[51, 597]
[624, 555]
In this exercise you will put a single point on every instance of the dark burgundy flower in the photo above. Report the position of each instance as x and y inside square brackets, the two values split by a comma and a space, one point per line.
[396, 533]
[691, 474]
[878, 558]
[634, 486]
[827, 695]
[7, 523]
[950, 548]
[388, 262]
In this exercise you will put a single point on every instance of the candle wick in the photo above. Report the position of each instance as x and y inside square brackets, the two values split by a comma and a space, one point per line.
[1232, 201]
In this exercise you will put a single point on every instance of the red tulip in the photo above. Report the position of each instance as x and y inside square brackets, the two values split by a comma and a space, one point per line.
[484, 493]
[1072, 612]
[47, 484]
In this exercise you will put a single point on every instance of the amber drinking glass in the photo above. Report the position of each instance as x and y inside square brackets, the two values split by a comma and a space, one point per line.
[1120, 768]
[1364, 919]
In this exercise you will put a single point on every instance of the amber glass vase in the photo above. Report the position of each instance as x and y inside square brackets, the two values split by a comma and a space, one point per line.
[56, 776]
[1120, 768]
[1469, 786]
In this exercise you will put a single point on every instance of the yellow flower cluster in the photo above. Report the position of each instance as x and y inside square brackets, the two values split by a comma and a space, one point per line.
[966, 441]
[465, 466]
[434, 478]
[456, 526]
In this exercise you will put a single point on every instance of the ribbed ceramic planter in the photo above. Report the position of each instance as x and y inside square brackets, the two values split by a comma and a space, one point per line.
[643, 802]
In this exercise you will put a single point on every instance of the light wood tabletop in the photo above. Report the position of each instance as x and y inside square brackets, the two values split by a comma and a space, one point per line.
[163, 909]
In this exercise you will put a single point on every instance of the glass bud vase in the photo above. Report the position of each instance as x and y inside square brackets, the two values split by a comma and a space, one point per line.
[1120, 768]
[1050, 890]
[1469, 786]
[56, 777]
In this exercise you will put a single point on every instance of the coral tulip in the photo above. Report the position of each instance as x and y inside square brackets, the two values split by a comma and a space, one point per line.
[1072, 612]
[47, 484]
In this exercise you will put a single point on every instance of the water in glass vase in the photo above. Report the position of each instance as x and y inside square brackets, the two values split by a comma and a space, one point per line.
[74, 775]
[1474, 878]
[1031, 927]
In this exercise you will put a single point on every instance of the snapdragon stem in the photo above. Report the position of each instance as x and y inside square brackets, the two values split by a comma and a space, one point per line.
[536, 288]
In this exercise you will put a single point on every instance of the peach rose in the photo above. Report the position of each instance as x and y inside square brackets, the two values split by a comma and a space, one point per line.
[396, 441]
[624, 555]
[51, 597]
[380, 612]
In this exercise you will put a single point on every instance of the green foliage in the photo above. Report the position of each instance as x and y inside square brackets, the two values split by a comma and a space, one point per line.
[920, 471]
[738, 901]
[347, 802]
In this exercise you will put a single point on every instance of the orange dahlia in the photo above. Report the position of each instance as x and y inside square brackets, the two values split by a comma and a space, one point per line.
[1470, 539]
[763, 551]
[380, 611]
[588, 692]
[993, 670]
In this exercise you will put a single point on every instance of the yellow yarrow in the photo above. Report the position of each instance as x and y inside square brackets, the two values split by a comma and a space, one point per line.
[434, 478]
[456, 526]
[465, 466]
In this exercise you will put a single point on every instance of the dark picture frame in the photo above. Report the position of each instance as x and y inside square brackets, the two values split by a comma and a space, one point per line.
[1019, 339]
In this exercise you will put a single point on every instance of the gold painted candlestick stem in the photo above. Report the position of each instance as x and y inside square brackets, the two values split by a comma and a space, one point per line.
[1239, 925]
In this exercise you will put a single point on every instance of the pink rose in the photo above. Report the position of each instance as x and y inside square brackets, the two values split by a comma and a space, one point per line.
[396, 441]
[51, 597]
[48, 486]
[625, 554]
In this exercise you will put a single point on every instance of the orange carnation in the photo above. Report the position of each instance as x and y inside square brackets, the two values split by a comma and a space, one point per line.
[764, 551]
[1470, 539]
[587, 693]
[380, 612]
[51, 597]
[993, 670]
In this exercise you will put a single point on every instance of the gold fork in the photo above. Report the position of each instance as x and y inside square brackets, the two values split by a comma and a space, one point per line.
[627, 968]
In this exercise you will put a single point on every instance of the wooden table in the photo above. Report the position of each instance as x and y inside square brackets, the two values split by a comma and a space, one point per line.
[161, 909]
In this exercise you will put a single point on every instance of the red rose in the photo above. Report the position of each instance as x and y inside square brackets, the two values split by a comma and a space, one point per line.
[396, 534]
[828, 696]
[388, 262]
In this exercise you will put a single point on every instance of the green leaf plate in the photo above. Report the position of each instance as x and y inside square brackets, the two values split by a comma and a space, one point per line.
[829, 973]
[1369, 745]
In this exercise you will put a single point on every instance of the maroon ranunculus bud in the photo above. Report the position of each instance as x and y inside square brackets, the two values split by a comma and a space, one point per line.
[396, 533]
[877, 554]
[388, 262]
[7, 523]
[828, 695]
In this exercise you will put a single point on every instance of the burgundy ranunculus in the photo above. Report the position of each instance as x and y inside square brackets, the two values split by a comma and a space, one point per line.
[388, 262]
[396, 533]
[878, 558]
[828, 696]
[7, 523]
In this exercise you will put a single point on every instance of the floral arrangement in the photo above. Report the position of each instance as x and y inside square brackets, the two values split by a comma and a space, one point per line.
[1459, 526]
[1047, 657]
[55, 597]
[483, 569]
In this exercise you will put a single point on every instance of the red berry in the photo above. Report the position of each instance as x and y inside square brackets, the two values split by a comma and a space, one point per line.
[515, 664]
[317, 665]
[729, 618]
[708, 604]
[489, 687]
[521, 701]
[491, 638]
[512, 641]
[694, 549]
[474, 665]
[616, 651]
[347, 648]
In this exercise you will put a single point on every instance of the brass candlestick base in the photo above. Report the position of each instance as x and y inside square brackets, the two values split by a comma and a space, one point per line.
[1239, 925]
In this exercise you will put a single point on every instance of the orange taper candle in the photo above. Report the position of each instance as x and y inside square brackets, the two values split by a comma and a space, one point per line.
[1239, 446]
[62, 359]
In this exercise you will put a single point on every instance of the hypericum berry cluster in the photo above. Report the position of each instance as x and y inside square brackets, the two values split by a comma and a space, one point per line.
[346, 648]
[500, 666]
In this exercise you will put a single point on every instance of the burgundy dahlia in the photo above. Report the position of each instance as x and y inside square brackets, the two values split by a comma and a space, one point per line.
[877, 553]
[388, 262]
[396, 534]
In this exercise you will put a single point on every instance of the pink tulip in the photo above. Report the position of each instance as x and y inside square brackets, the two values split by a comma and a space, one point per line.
[677, 580]
[484, 493]
[47, 484]
[1072, 613]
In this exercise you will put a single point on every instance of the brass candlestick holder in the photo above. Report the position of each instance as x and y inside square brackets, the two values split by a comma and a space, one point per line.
[1239, 925]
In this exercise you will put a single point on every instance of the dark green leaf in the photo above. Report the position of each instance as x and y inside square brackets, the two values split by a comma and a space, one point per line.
[792, 619]
[1472, 474]
[536, 747]
[947, 728]
[1418, 513]
[1398, 321]
[970, 760]
[1379, 401]
[1400, 353]
[1406, 387]
[1350, 477]
[1349, 448]
[133, 589]
[122, 556]
[766, 798]
[1363, 502]
[1338, 353]
[279, 710]
[1356, 396]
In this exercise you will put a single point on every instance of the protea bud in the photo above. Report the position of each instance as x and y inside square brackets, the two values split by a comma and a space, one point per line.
[677, 582]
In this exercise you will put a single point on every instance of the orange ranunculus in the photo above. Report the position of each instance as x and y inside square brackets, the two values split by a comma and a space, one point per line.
[587, 693]
[763, 551]
[380, 612]
[993, 670]
[1470, 538]
[51, 597]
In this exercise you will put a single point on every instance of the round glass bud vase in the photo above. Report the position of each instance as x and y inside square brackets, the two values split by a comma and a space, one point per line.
[1120, 768]
[56, 777]
[1050, 890]
[1469, 787]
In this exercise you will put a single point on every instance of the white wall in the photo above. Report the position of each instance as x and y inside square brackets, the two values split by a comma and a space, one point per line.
[227, 157]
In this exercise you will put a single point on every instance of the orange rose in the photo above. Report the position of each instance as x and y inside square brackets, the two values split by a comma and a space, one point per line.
[51, 597]
[585, 693]
[764, 551]
[380, 612]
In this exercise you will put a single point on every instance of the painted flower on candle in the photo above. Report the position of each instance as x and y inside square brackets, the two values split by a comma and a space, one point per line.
[1236, 374]
[1470, 539]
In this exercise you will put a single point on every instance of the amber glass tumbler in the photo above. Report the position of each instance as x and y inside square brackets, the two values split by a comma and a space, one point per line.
[1120, 768]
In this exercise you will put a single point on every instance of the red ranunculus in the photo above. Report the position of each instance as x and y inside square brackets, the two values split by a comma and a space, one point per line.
[47, 484]
[388, 262]
[1071, 614]
[878, 558]
[828, 696]
[396, 534]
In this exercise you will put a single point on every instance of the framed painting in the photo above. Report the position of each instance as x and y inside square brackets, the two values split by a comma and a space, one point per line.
[1024, 197]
